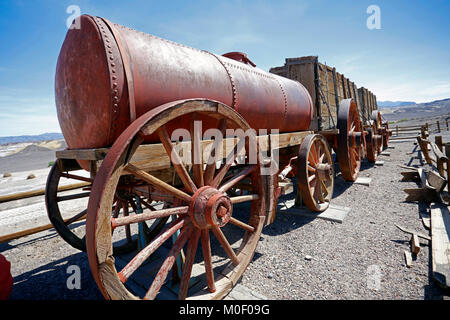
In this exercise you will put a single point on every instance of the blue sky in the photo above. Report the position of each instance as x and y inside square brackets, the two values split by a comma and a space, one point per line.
[407, 59]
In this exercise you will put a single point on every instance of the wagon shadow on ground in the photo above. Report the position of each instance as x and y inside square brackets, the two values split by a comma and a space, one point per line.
[40, 236]
[50, 281]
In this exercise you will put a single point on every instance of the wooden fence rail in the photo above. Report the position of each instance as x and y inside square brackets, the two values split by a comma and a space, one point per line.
[407, 132]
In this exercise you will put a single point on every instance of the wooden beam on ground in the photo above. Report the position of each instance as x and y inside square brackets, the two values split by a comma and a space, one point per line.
[40, 192]
[420, 235]
[423, 179]
[23, 233]
[426, 220]
[440, 252]
[365, 181]
[408, 258]
[426, 193]
[407, 167]
[402, 138]
[415, 244]
[334, 213]
[435, 180]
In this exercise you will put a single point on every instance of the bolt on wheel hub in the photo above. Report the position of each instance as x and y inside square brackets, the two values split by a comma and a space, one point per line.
[210, 207]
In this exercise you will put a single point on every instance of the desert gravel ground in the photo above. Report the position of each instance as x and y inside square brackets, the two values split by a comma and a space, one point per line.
[297, 258]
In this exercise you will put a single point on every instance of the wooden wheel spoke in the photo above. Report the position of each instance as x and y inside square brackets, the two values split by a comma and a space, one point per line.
[211, 164]
[206, 250]
[241, 175]
[318, 150]
[311, 178]
[241, 225]
[324, 187]
[352, 128]
[229, 161]
[75, 177]
[245, 198]
[73, 196]
[176, 160]
[157, 183]
[225, 245]
[76, 217]
[312, 187]
[322, 157]
[196, 152]
[168, 263]
[187, 268]
[311, 161]
[145, 216]
[116, 211]
[137, 261]
[126, 214]
[318, 192]
[311, 168]
[146, 204]
[313, 154]
[354, 158]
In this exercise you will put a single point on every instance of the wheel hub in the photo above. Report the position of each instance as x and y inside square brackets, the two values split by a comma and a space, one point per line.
[210, 207]
[324, 172]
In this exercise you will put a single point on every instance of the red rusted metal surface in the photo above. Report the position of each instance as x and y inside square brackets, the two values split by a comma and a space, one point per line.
[107, 75]
[6, 280]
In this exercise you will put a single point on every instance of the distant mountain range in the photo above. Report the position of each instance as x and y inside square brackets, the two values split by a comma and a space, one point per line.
[393, 109]
[393, 104]
[418, 110]
[31, 138]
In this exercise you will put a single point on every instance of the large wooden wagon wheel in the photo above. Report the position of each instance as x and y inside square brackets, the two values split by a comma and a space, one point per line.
[376, 118]
[198, 206]
[350, 140]
[386, 134]
[372, 142]
[315, 173]
[60, 208]
[53, 201]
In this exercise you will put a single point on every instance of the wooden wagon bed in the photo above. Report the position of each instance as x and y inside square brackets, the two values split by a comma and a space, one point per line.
[327, 88]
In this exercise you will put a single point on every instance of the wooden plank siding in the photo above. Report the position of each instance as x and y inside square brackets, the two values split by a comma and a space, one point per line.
[327, 88]
[368, 102]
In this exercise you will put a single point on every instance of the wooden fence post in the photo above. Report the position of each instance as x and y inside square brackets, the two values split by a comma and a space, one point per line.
[422, 132]
[438, 126]
[447, 154]
[439, 143]
[423, 144]
[446, 124]
[439, 162]
[396, 129]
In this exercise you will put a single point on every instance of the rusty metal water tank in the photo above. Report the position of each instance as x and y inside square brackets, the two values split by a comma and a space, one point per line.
[107, 75]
